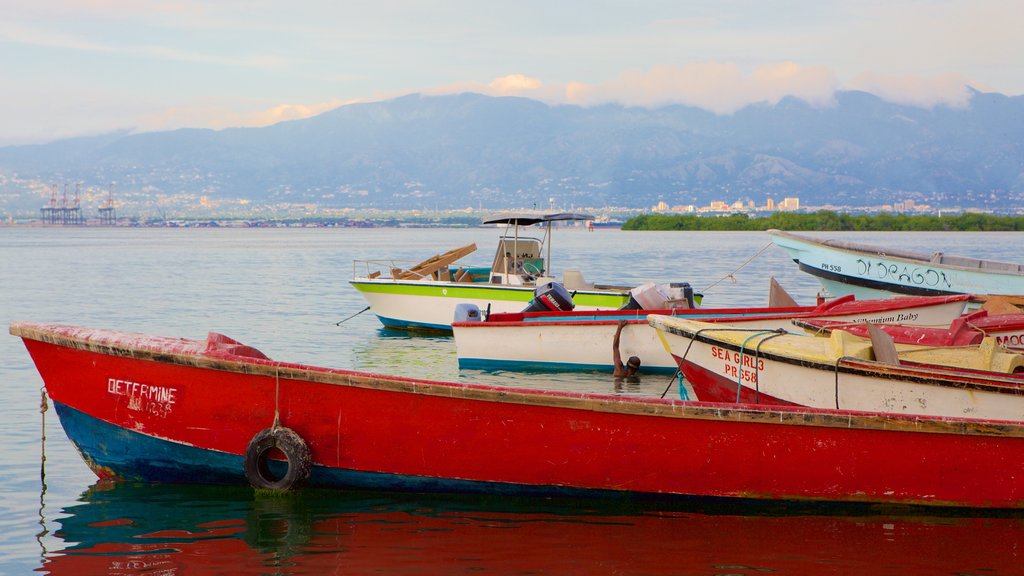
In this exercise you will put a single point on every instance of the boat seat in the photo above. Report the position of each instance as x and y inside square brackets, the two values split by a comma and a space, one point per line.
[882, 346]
[841, 343]
[572, 279]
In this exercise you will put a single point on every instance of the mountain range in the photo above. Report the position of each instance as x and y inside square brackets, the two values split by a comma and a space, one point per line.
[471, 150]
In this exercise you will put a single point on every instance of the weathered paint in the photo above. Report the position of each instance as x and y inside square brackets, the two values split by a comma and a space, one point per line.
[374, 431]
[839, 371]
[582, 340]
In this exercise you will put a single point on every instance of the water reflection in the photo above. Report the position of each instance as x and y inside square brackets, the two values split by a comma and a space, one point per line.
[433, 357]
[152, 529]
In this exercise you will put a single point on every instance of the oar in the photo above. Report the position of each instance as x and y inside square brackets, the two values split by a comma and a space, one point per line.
[339, 323]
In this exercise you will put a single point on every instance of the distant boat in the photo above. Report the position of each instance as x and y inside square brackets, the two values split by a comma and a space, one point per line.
[845, 372]
[874, 271]
[144, 408]
[598, 224]
[581, 340]
[424, 295]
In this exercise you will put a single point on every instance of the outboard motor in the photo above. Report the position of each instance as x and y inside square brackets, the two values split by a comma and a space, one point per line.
[649, 296]
[551, 297]
[467, 313]
[680, 291]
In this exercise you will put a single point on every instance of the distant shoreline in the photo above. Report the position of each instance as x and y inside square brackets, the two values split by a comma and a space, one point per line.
[828, 221]
[820, 221]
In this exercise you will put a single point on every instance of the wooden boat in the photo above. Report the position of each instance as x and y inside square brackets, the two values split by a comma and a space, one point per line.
[424, 296]
[156, 409]
[874, 271]
[581, 340]
[969, 329]
[841, 371]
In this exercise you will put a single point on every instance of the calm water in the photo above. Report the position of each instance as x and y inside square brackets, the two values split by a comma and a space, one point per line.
[283, 291]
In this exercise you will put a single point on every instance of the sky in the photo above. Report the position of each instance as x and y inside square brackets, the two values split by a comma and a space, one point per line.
[86, 67]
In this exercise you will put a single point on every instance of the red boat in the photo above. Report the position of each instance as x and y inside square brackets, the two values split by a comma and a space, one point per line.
[159, 409]
[967, 330]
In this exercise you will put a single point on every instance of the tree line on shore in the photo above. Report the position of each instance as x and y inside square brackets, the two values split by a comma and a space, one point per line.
[829, 221]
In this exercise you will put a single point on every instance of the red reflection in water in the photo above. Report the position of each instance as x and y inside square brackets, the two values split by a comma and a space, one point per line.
[427, 541]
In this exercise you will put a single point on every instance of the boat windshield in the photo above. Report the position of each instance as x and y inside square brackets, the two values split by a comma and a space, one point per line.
[522, 254]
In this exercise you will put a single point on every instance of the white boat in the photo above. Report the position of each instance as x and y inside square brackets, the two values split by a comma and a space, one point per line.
[878, 272]
[841, 371]
[425, 295]
[582, 340]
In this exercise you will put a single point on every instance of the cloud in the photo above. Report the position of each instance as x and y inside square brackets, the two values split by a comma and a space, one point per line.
[217, 115]
[716, 86]
[513, 84]
[723, 87]
[508, 85]
[921, 91]
[719, 87]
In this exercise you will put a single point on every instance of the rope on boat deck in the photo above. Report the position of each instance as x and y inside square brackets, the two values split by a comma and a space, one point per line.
[679, 371]
[757, 369]
[730, 275]
[836, 371]
[757, 352]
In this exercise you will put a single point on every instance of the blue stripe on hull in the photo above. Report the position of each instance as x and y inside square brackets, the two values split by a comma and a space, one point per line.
[872, 284]
[137, 457]
[536, 366]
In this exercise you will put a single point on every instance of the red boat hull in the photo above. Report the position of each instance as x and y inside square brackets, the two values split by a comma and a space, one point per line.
[158, 409]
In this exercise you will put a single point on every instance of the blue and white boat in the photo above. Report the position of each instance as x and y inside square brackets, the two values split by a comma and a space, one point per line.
[877, 272]
[581, 340]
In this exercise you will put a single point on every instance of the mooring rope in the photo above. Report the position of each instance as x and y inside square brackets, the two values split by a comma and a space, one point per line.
[43, 408]
[340, 322]
[679, 370]
[731, 275]
[277, 396]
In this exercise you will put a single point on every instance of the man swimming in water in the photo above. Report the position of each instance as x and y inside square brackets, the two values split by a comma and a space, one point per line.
[630, 368]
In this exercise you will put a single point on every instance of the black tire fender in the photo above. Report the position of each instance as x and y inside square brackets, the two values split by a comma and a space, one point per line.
[295, 450]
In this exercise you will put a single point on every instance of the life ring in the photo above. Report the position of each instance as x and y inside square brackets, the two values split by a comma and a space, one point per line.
[296, 453]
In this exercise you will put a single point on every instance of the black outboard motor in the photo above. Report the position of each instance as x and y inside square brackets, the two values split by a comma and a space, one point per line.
[551, 297]
[682, 291]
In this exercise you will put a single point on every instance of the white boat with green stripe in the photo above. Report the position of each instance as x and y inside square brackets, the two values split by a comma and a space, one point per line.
[424, 296]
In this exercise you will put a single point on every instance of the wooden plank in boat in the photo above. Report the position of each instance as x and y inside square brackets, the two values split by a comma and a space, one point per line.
[434, 263]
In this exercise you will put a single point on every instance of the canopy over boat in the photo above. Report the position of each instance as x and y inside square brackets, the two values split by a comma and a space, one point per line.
[530, 220]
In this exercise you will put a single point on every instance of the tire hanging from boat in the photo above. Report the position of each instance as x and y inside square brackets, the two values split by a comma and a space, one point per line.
[257, 461]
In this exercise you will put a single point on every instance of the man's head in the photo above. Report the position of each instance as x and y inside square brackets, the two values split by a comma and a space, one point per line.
[632, 365]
